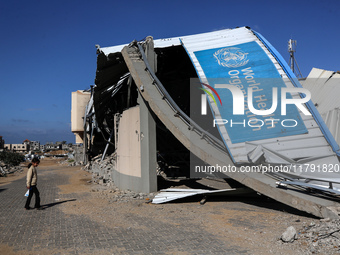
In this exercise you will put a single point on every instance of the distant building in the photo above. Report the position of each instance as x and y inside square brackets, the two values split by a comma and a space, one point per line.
[51, 146]
[23, 147]
[35, 145]
[28, 143]
[66, 146]
[17, 147]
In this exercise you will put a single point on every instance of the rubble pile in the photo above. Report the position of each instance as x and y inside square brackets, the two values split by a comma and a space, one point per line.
[114, 194]
[322, 236]
[70, 162]
[7, 169]
[102, 174]
[73, 163]
[102, 169]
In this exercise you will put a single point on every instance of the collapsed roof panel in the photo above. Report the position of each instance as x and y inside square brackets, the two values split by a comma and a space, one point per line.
[259, 67]
[241, 58]
[285, 145]
[307, 144]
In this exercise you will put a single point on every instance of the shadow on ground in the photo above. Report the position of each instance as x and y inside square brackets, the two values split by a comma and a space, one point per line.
[57, 203]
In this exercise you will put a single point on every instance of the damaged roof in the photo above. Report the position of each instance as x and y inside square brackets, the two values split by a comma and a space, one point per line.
[237, 55]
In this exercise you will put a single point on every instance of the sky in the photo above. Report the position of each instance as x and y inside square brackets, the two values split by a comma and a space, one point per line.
[48, 47]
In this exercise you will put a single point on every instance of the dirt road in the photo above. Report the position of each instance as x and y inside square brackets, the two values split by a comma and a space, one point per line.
[85, 218]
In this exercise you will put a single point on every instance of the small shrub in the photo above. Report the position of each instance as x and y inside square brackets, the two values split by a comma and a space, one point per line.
[11, 158]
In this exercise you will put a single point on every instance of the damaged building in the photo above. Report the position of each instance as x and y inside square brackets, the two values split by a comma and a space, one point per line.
[140, 112]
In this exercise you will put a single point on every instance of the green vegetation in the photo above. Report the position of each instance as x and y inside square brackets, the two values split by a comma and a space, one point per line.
[11, 158]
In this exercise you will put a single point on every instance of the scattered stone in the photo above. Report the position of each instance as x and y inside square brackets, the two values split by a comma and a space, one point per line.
[289, 235]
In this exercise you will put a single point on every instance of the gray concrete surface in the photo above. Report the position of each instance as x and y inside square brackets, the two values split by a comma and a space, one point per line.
[51, 231]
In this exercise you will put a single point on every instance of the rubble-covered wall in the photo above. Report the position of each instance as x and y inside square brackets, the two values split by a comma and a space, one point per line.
[133, 165]
[78, 154]
[102, 170]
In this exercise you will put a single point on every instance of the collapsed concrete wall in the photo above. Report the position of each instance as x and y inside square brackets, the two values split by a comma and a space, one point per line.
[119, 122]
[133, 165]
[125, 79]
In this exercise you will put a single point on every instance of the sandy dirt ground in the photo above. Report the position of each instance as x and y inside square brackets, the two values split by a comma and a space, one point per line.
[252, 222]
[255, 223]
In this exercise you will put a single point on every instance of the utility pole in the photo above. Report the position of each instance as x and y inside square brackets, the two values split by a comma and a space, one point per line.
[292, 60]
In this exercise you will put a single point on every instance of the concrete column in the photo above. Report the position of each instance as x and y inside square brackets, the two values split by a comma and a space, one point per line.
[148, 148]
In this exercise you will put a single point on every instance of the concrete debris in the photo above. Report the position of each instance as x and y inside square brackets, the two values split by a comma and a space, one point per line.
[6, 169]
[102, 170]
[320, 237]
[101, 174]
[114, 194]
[75, 163]
[289, 235]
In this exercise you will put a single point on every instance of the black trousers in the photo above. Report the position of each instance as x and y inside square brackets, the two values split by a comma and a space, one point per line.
[33, 190]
